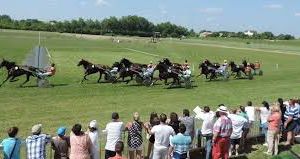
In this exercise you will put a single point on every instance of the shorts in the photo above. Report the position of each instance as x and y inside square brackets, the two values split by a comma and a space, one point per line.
[235, 141]
[291, 126]
[152, 139]
[140, 148]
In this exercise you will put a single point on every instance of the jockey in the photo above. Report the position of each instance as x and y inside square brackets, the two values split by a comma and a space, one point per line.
[50, 71]
[185, 64]
[186, 72]
[150, 64]
[149, 71]
[248, 68]
[114, 70]
[225, 63]
[256, 67]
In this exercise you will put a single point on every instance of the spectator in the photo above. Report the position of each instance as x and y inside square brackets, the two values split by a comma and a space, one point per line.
[119, 149]
[180, 144]
[162, 134]
[188, 121]
[264, 114]
[238, 123]
[221, 135]
[282, 109]
[93, 133]
[291, 115]
[61, 144]
[81, 145]
[12, 144]
[246, 128]
[135, 138]
[174, 122]
[250, 111]
[273, 130]
[114, 131]
[207, 128]
[36, 144]
[154, 120]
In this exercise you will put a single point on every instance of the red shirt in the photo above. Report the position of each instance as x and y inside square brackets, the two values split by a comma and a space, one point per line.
[274, 121]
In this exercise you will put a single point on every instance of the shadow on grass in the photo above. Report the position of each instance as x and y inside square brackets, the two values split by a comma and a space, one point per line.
[50, 86]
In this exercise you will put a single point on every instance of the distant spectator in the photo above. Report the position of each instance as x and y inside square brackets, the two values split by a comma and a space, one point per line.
[207, 128]
[246, 128]
[12, 144]
[282, 109]
[81, 145]
[135, 138]
[221, 134]
[114, 131]
[264, 112]
[119, 147]
[154, 120]
[180, 144]
[250, 111]
[93, 133]
[238, 123]
[274, 130]
[36, 144]
[61, 144]
[162, 134]
[188, 121]
[291, 115]
[174, 122]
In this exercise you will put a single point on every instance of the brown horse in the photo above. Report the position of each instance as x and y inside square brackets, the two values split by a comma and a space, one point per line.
[90, 68]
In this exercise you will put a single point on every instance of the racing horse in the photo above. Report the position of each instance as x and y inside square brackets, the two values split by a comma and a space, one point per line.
[127, 69]
[169, 63]
[207, 68]
[90, 68]
[245, 63]
[166, 72]
[237, 69]
[14, 71]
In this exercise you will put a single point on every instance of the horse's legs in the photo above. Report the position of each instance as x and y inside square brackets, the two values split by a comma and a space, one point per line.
[27, 79]
[13, 79]
[7, 78]
[166, 81]
[100, 76]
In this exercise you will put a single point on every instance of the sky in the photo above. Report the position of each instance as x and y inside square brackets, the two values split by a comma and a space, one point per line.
[278, 16]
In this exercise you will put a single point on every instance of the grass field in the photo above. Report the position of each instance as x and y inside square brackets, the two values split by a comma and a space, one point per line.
[70, 102]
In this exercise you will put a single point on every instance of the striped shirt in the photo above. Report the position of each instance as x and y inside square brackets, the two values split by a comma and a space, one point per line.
[181, 143]
[292, 111]
[223, 126]
[36, 146]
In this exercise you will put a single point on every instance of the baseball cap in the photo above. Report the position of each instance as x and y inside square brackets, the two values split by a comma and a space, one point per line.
[36, 128]
[61, 131]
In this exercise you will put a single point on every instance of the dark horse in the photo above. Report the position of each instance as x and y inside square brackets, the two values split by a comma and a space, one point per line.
[14, 71]
[166, 72]
[236, 69]
[128, 69]
[245, 63]
[208, 68]
[169, 63]
[90, 68]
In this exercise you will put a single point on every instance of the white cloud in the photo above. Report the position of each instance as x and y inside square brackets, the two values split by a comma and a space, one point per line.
[102, 3]
[297, 14]
[273, 6]
[212, 11]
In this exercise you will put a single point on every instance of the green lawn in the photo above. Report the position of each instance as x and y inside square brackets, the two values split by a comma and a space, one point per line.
[70, 102]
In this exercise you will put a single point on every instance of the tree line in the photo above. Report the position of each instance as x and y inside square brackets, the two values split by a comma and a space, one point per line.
[127, 25]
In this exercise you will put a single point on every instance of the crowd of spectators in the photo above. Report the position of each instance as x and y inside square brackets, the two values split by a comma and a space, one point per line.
[224, 132]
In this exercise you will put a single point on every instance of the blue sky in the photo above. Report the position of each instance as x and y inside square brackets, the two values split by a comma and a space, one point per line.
[278, 16]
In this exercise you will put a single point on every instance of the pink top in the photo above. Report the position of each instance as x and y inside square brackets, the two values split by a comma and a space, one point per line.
[80, 146]
[274, 121]
[117, 157]
[223, 126]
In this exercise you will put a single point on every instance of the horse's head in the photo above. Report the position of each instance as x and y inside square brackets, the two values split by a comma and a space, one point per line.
[7, 64]
[126, 62]
[244, 62]
[81, 62]
[231, 63]
[167, 61]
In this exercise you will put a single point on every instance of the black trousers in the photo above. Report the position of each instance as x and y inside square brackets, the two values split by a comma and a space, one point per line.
[109, 154]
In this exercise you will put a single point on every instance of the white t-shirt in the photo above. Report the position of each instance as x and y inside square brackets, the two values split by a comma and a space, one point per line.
[208, 122]
[264, 114]
[238, 122]
[94, 136]
[250, 112]
[162, 133]
[114, 132]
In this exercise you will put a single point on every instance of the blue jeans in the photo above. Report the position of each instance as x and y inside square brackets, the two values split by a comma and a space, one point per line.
[264, 130]
[208, 145]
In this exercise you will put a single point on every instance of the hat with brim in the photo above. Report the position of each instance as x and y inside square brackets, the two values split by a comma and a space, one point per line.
[36, 128]
[222, 109]
[93, 124]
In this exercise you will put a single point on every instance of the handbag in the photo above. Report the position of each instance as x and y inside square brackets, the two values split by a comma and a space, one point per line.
[12, 152]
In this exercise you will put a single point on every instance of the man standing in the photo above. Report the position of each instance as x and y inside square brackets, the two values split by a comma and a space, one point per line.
[180, 144]
[36, 144]
[114, 131]
[61, 144]
[188, 122]
[207, 128]
[162, 133]
[94, 136]
[221, 134]
[238, 123]
[291, 116]
[11, 145]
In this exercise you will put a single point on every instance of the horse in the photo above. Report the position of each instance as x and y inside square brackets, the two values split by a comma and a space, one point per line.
[236, 69]
[245, 63]
[14, 71]
[126, 69]
[208, 70]
[169, 63]
[127, 63]
[166, 72]
[90, 68]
